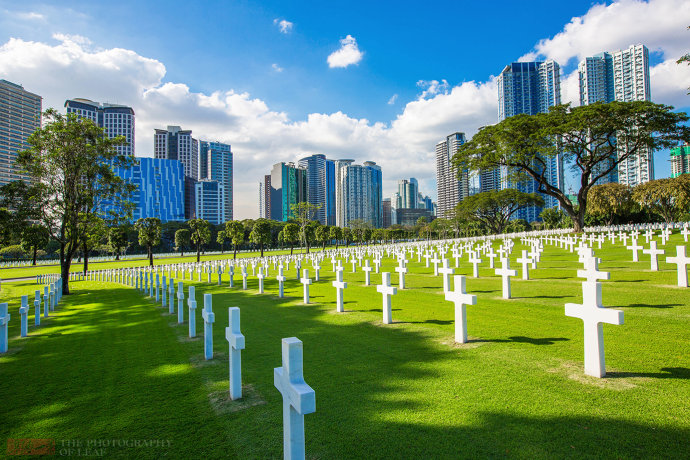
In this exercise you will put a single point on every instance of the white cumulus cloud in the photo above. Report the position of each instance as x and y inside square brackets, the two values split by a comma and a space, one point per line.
[347, 54]
[283, 25]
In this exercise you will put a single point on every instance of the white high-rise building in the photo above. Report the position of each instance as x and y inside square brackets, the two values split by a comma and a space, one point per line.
[358, 193]
[20, 116]
[620, 76]
[116, 120]
[450, 188]
[175, 143]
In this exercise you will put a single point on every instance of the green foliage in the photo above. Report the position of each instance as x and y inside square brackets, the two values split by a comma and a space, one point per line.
[234, 230]
[668, 198]
[200, 234]
[149, 234]
[13, 252]
[304, 212]
[118, 239]
[221, 236]
[493, 209]
[554, 218]
[34, 237]
[261, 233]
[610, 202]
[586, 137]
[182, 240]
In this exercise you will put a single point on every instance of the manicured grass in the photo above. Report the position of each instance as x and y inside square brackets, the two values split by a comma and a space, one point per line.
[111, 364]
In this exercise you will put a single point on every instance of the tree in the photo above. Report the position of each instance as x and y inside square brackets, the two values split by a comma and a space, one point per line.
[200, 234]
[220, 239]
[588, 138]
[17, 210]
[291, 234]
[14, 252]
[235, 232]
[149, 229]
[610, 201]
[347, 236]
[554, 218]
[70, 162]
[304, 212]
[261, 233]
[92, 235]
[669, 198]
[117, 239]
[181, 240]
[336, 233]
[34, 237]
[322, 234]
[493, 209]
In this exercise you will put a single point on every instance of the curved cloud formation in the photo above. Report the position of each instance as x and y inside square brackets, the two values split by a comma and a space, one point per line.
[348, 54]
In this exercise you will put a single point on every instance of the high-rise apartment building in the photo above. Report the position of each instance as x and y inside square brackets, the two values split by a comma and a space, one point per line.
[359, 193]
[116, 120]
[321, 186]
[450, 188]
[215, 163]
[175, 143]
[680, 160]
[265, 199]
[209, 201]
[619, 76]
[288, 187]
[386, 213]
[159, 188]
[20, 116]
[531, 88]
[408, 193]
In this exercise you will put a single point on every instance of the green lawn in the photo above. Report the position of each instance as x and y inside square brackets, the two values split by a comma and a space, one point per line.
[110, 364]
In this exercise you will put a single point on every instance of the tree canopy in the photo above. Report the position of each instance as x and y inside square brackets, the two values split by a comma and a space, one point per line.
[493, 209]
[588, 139]
[149, 229]
[200, 234]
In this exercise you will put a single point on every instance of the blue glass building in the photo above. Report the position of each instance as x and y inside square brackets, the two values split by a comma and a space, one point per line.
[215, 163]
[159, 188]
[320, 173]
[209, 201]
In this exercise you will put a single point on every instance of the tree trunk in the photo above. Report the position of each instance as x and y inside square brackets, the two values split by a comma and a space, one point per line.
[117, 255]
[262, 249]
[35, 254]
[291, 246]
[578, 222]
[234, 255]
[198, 252]
[86, 258]
[150, 256]
[323, 249]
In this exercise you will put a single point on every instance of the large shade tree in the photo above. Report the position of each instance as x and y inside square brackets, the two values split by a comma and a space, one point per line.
[149, 229]
[494, 209]
[181, 240]
[261, 233]
[200, 234]
[70, 162]
[587, 137]
[234, 230]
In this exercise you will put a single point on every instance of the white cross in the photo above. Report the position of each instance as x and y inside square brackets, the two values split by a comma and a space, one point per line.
[261, 277]
[281, 279]
[427, 256]
[306, 282]
[191, 305]
[506, 273]
[525, 261]
[37, 308]
[4, 320]
[446, 271]
[317, 267]
[591, 272]
[354, 265]
[475, 261]
[401, 269]
[435, 261]
[244, 277]
[367, 273]
[209, 319]
[339, 285]
[180, 303]
[387, 291]
[653, 253]
[460, 298]
[681, 262]
[231, 274]
[236, 344]
[634, 248]
[24, 314]
[298, 398]
[685, 232]
[377, 264]
[491, 255]
[171, 297]
[592, 314]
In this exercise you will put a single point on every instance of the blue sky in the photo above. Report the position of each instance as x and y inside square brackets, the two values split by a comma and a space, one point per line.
[231, 72]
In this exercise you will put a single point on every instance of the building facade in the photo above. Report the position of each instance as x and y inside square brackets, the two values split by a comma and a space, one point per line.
[360, 191]
[159, 188]
[116, 120]
[408, 190]
[321, 186]
[619, 76]
[409, 217]
[20, 116]
[209, 201]
[386, 213]
[288, 187]
[449, 187]
[215, 163]
[531, 88]
[174, 143]
[680, 160]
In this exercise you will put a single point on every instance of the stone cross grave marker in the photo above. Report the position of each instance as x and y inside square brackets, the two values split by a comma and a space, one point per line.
[46, 301]
[460, 298]
[339, 285]
[435, 261]
[191, 305]
[525, 261]
[4, 322]
[261, 277]
[171, 297]
[681, 262]
[37, 308]
[446, 271]
[24, 316]
[244, 278]
[236, 345]
[231, 274]
[367, 273]
[298, 398]
[281, 279]
[209, 319]
[653, 254]
[475, 261]
[305, 282]
[387, 291]
[634, 248]
[506, 273]
[180, 302]
[401, 270]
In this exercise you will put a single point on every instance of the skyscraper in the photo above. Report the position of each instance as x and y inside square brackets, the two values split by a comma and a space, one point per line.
[531, 88]
[175, 143]
[620, 76]
[215, 163]
[288, 188]
[116, 120]
[20, 115]
[680, 160]
[408, 193]
[209, 201]
[321, 186]
[449, 187]
[386, 213]
[359, 192]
